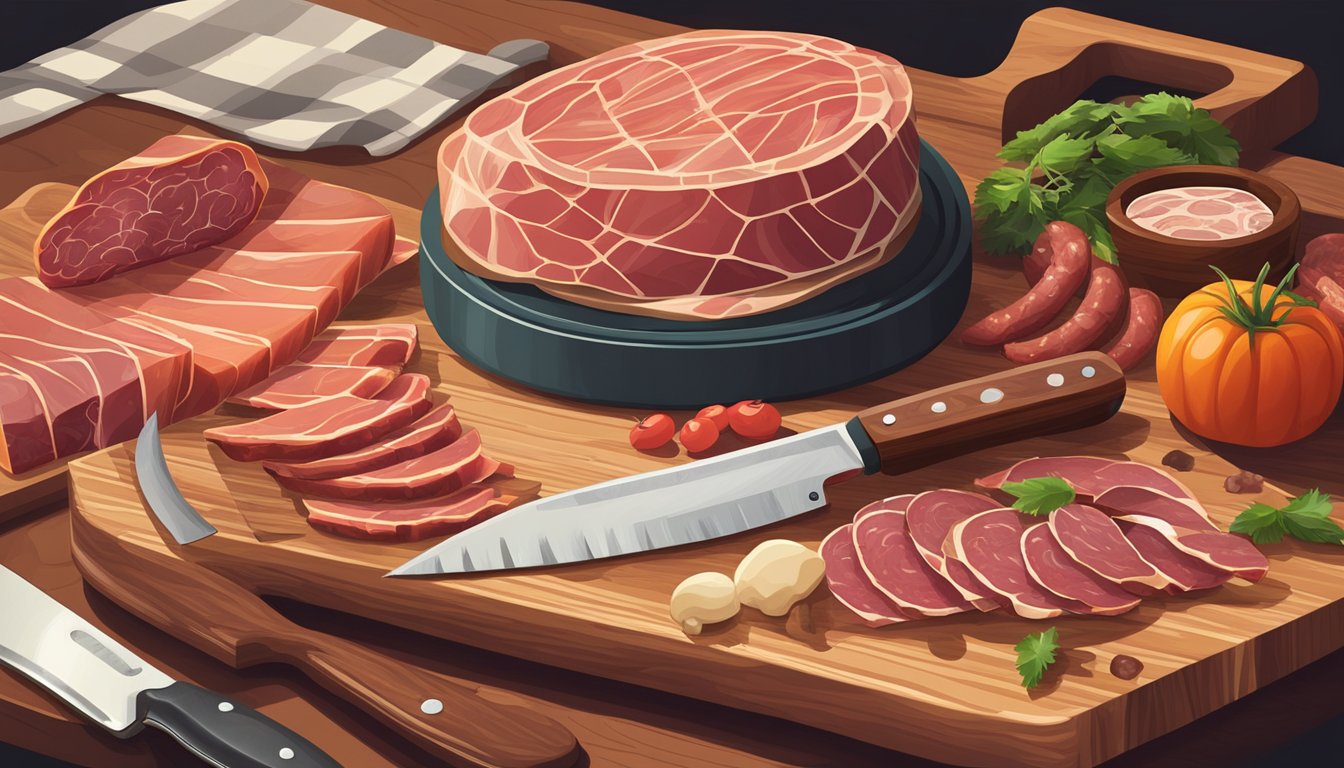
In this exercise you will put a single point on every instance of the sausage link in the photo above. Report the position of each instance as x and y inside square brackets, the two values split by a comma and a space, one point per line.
[1069, 253]
[1143, 323]
[1101, 307]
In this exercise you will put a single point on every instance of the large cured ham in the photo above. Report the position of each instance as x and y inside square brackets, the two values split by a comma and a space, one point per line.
[410, 521]
[710, 174]
[1054, 568]
[990, 544]
[327, 428]
[895, 566]
[850, 583]
[433, 431]
[299, 384]
[1094, 541]
[929, 518]
[456, 465]
[181, 194]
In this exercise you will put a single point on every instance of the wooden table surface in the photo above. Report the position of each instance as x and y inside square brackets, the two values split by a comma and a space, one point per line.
[618, 724]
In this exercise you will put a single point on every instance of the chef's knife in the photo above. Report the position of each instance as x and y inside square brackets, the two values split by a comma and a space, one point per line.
[766, 483]
[96, 675]
[441, 715]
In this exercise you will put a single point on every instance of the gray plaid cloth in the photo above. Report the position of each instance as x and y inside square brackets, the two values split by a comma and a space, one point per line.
[283, 73]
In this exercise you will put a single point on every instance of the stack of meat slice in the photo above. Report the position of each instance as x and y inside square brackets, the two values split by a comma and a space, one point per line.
[1131, 531]
[84, 364]
[385, 465]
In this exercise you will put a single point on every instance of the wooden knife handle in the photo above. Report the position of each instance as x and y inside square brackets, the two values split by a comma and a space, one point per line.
[438, 713]
[1039, 399]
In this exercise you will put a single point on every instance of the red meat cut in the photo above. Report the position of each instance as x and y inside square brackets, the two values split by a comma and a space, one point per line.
[1088, 475]
[1053, 568]
[300, 384]
[1093, 540]
[929, 518]
[708, 174]
[456, 465]
[409, 521]
[1186, 573]
[896, 567]
[850, 585]
[433, 431]
[181, 194]
[384, 344]
[327, 428]
[990, 544]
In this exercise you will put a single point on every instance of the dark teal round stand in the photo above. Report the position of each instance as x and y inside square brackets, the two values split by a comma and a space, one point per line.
[876, 323]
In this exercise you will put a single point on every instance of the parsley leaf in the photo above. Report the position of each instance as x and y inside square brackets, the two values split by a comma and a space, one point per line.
[1035, 654]
[1040, 495]
[1306, 517]
[1072, 159]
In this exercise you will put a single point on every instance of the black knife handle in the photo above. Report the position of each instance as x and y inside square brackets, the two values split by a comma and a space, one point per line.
[226, 733]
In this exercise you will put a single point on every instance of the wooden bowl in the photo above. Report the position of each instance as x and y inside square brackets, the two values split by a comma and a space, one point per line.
[1175, 267]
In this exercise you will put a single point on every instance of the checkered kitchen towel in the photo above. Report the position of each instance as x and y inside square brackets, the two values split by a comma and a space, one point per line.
[284, 73]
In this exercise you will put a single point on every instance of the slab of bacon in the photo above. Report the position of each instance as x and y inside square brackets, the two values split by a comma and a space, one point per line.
[175, 330]
[1133, 530]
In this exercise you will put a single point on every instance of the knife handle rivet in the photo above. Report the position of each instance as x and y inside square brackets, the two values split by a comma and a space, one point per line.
[1088, 371]
[813, 496]
[938, 407]
[225, 706]
[889, 419]
[1055, 379]
[431, 706]
[286, 753]
[991, 395]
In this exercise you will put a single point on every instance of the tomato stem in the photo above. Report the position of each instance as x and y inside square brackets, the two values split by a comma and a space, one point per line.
[1259, 315]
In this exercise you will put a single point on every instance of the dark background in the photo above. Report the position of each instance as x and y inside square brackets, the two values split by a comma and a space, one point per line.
[955, 37]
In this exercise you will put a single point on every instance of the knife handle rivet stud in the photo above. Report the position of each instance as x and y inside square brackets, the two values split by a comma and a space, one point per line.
[286, 753]
[225, 706]
[1055, 379]
[813, 496]
[938, 407]
[889, 419]
[431, 706]
[1088, 371]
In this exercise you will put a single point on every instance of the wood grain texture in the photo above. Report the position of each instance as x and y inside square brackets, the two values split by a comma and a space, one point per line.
[576, 444]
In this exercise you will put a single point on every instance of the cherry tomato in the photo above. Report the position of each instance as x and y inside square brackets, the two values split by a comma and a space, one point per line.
[715, 413]
[754, 419]
[653, 432]
[699, 434]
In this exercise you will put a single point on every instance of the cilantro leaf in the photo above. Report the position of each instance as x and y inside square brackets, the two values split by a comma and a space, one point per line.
[1080, 119]
[1176, 121]
[1306, 518]
[1085, 208]
[1035, 653]
[1040, 495]
[1064, 155]
[1261, 522]
[1134, 154]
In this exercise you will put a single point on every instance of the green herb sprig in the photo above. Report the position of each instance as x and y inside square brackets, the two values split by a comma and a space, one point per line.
[1070, 162]
[1306, 517]
[1040, 496]
[1035, 654]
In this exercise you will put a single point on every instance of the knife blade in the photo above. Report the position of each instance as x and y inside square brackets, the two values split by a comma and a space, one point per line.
[108, 684]
[442, 715]
[766, 483]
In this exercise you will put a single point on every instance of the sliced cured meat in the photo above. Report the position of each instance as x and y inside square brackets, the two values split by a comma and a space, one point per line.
[25, 436]
[438, 472]
[1185, 572]
[1093, 540]
[1143, 323]
[1053, 568]
[1185, 525]
[184, 281]
[928, 519]
[1088, 475]
[990, 544]
[180, 194]
[896, 567]
[1066, 249]
[337, 270]
[1088, 328]
[327, 428]
[68, 396]
[707, 174]
[301, 384]
[382, 344]
[408, 521]
[850, 585]
[436, 429]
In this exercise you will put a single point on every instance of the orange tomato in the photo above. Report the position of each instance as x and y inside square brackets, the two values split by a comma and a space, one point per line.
[1256, 379]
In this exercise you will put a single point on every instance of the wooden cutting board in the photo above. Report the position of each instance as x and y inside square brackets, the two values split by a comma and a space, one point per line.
[944, 688]
[20, 222]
